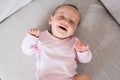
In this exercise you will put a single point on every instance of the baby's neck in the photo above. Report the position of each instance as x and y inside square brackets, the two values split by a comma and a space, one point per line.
[58, 37]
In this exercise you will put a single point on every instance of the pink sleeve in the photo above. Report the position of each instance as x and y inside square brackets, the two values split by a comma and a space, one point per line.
[29, 45]
[84, 57]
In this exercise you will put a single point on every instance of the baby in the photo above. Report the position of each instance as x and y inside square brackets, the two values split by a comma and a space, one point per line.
[57, 50]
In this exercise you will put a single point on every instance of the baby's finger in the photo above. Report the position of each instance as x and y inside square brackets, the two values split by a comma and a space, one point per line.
[77, 40]
[85, 48]
[30, 31]
[37, 32]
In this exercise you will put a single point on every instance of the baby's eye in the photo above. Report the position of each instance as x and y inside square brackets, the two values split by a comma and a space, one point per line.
[71, 22]
[62, 17]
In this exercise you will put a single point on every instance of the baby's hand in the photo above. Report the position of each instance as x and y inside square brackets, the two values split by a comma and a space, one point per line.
[79, 46]
[34, 32]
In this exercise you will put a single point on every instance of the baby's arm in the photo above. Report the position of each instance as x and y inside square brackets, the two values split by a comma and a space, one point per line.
[29, 44]
[84, 54]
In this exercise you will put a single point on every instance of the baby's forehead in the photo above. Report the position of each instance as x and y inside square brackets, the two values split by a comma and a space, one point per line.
[72, 7]
[65, 6]
[68, 9]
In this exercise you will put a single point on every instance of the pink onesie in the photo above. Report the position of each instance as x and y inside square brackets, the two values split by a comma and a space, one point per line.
[56, 59]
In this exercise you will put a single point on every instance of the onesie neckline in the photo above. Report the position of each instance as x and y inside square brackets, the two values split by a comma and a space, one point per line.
[54, 38]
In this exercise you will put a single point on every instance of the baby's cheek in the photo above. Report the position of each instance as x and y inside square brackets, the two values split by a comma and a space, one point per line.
[72, 31]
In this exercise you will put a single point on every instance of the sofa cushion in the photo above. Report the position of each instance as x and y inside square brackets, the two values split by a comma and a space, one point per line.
[8, 7]
[113, 6]
[101, 32]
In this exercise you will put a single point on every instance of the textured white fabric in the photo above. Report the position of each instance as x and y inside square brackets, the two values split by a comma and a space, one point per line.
[113, 6]
[8, 7]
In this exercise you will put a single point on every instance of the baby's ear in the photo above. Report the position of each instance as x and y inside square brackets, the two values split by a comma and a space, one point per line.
[50, 20]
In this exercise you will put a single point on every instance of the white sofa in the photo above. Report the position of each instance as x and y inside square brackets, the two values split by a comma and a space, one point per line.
[8, 7]
[97, 28]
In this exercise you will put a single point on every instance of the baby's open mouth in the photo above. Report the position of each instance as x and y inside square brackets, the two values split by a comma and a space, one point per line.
[63, 28]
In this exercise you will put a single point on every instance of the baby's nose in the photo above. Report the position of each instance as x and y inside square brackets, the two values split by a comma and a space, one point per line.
[66, 22]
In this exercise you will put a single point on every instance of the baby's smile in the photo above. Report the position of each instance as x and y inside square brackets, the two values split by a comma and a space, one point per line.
[62, 29]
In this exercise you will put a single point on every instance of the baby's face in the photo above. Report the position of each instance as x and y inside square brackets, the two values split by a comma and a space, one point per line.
[64, 22]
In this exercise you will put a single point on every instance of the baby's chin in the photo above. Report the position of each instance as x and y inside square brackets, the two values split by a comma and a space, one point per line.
[61, 36]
